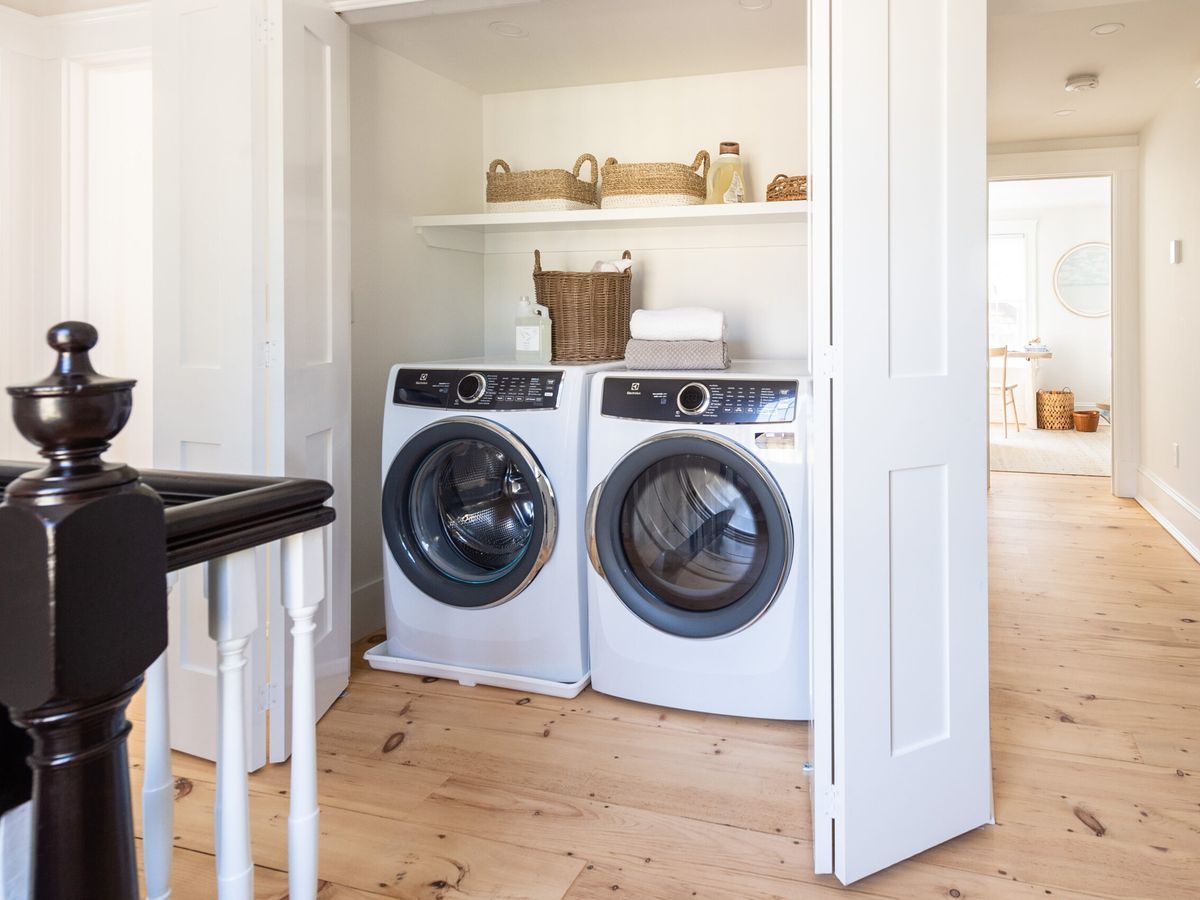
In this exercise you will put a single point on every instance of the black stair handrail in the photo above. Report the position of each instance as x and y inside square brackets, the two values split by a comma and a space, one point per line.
[212, 515]
[85, 547]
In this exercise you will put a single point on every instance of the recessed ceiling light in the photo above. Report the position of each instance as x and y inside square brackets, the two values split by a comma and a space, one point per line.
[508, 29]
[1063, 113]
[1108, 28]
[754, 5]
[1078, 83]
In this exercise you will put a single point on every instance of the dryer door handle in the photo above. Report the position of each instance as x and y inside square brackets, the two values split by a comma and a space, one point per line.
[590, 530]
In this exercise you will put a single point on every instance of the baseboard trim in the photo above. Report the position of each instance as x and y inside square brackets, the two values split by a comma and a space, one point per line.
[366, 609]
[1174, 512]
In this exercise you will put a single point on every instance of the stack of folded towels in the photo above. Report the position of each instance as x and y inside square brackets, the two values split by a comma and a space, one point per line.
[684, 338]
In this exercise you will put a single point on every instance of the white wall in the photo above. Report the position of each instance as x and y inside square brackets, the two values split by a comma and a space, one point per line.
[30, 289]
[1171, 316]
[763, 289]
[415, 140]
[1081, 345]
[74, 183]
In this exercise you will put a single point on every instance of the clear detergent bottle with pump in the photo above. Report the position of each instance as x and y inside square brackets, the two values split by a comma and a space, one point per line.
[728, 176]
[533, 332]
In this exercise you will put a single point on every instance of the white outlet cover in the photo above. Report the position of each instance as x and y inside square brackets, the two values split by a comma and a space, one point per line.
[1175, 253]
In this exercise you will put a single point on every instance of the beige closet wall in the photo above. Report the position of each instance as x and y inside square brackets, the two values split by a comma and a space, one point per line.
[413, 136]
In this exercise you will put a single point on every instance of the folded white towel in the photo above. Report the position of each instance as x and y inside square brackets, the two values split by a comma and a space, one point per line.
[685, 323]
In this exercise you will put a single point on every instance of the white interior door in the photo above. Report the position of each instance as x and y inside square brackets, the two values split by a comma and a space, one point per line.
[902, 652]
[309, 191]
[209, 315]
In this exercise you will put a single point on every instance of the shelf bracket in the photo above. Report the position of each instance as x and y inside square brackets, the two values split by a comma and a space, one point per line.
[467, 240]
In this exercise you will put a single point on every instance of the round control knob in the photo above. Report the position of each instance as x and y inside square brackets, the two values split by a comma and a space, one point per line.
[471, 387]
[693, 399]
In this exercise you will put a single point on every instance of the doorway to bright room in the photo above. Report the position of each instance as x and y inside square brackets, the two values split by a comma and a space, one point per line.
[1049, 325]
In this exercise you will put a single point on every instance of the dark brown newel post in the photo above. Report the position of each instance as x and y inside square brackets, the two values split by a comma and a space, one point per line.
[84, 607]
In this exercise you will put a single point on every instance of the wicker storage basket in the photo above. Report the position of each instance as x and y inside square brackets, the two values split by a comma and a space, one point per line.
[538, 189]
[654, 184]
[788, 187]
[1086, 420]
[589, 312]
[1054, 409]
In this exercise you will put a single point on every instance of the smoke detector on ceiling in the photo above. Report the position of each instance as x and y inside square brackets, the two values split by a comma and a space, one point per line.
[1078, 83]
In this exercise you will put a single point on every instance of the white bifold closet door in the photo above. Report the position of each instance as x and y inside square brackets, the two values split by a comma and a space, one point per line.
[251, 275]
[309, 315]
[901, 754]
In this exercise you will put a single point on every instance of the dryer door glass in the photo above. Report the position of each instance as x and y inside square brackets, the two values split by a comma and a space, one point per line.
[694, 533]
[468, 513]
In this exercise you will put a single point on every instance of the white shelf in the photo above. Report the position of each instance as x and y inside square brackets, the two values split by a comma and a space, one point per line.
[471, 232]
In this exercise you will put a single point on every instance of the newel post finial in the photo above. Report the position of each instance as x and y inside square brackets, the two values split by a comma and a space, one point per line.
[84, 606]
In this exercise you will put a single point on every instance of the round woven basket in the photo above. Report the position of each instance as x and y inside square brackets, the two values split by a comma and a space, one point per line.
[1054, 409]
[589, 311]
[654, 184]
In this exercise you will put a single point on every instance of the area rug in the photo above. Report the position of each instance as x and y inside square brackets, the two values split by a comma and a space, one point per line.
[1052, 452]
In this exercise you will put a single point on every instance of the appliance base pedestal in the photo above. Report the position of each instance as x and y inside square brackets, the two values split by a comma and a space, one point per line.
[377, 657]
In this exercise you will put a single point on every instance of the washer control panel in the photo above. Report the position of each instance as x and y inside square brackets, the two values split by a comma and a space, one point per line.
[718, 401]
[468, 389]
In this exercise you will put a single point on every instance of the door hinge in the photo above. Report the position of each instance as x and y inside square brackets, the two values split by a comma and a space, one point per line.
[835, 803]
[269, 354]
[827, 362]
[268, 697]
[265, 29]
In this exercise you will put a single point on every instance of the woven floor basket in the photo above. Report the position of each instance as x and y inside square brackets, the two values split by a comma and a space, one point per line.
[1054, 409]
[654, 184]
[788, 187]
[509, 191]
[589, 312]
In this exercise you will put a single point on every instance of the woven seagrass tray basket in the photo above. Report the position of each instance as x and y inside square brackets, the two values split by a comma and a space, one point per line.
[537, 189]
[788, 187]
[1054, 409]
[589, 311]
[654, 184]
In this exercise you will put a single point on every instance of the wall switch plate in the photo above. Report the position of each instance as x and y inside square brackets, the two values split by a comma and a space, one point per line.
[1176, 252]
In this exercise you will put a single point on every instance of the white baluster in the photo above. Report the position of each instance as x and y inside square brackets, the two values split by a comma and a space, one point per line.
[158, 786]
[16, 832]
[232, 619]
[303, 589]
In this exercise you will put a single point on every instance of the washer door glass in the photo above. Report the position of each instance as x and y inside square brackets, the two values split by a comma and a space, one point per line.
[468, 513]
[694, 533]
[471, 510]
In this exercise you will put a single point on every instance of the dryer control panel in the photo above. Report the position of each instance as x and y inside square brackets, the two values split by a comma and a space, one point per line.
[483, 389]
[717, 401]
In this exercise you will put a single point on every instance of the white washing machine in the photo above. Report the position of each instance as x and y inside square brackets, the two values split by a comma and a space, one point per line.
[697, 534]
[483, 499]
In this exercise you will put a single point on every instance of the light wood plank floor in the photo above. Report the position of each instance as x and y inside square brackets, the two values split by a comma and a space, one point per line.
[430, 790]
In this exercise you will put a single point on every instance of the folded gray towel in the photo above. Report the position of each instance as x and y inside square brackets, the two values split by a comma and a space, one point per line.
[676, 355]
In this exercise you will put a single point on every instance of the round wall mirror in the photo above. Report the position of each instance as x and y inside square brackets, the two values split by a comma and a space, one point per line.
[1083, 279]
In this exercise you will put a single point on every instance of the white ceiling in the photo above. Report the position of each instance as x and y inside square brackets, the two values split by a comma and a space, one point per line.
[574, 42]
[56, 7]
[1034, 45]
[1048, 193]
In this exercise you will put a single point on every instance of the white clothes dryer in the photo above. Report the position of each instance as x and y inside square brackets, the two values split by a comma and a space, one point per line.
[482, 510]
[697, 531]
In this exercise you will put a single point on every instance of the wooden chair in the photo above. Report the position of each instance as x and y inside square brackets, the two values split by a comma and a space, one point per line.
[1008, 392]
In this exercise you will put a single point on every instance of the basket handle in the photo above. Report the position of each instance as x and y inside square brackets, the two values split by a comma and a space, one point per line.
[537, 262]
[587, 157]
[778, 178]
[498, 164]
[611, 161]
[626, 255]
[702, 159]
